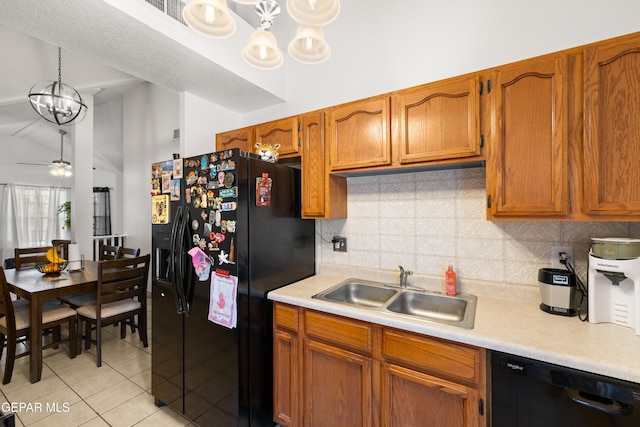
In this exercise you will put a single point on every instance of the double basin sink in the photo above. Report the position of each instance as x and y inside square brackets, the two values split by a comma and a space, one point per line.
[459, 310]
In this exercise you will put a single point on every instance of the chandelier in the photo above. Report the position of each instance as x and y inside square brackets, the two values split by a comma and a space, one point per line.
[212, 18]
[61, 167]
[57, 102]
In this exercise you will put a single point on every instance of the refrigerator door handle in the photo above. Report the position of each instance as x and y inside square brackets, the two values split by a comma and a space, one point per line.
[181, 254]
[173, 257]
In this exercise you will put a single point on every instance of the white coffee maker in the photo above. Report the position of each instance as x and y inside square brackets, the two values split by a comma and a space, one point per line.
[614, 282]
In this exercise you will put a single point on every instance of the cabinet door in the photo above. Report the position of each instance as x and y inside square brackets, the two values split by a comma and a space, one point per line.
[283, 132]
[237, 138]
[337, 387]
[438, 121]
[285, 378]
[410, 398]
[360, 134]
[528, 160]
[323, 195]
[612, 127]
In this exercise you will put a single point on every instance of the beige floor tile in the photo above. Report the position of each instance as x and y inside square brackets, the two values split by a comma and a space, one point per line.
[131, 412]
[164, 417]
[143, 379]
[86, 369]
[20, 377]
[97, 383]
[134, 366]
[113, 396]
[77, 414]
[37, 390]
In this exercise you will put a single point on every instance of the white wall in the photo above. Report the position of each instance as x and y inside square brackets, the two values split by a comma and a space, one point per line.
[150, 116]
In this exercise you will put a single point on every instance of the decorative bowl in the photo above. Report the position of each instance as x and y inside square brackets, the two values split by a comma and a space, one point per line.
[51, 269]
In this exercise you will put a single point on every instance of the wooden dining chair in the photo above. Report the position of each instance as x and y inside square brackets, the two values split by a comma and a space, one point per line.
[127, 253]
[105, 253]
[25, 256]
[109, 252]
[121, 294]
[62, 247]
[14, 327]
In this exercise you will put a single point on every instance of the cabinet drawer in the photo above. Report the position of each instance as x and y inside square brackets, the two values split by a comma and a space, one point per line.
[443, 358]
[338, 330]
[285, 317]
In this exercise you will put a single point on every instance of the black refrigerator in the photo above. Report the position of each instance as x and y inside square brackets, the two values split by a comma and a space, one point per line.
[223, 223]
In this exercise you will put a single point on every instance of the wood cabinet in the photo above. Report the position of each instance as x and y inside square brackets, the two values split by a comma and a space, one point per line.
[323, 195]
[238, 138]
[438, 121]
[612, 128]
[354, 373]
[527, 169]
[285, 378]
[360, 134]
[283, 132]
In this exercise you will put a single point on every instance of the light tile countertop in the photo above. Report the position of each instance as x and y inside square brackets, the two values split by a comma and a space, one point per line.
[507, 325]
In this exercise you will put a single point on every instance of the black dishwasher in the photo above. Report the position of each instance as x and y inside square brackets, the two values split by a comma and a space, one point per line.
[529, 393]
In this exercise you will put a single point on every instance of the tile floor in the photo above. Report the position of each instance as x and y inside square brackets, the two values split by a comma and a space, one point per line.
[75, 392]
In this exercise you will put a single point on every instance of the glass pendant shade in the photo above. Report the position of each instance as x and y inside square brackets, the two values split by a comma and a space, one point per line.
[309, 45]
[262, 50]
[61, 169]
[209, 17]
[313, 12]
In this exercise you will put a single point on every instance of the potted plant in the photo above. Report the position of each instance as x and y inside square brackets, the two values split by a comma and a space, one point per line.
[66, 209]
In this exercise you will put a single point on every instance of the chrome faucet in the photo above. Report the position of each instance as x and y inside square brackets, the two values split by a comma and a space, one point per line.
[403, 276]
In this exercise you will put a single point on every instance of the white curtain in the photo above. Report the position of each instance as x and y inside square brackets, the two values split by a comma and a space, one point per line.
[30, 217]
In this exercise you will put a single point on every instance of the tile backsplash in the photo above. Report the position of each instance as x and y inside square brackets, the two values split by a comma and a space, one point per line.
[426, 220]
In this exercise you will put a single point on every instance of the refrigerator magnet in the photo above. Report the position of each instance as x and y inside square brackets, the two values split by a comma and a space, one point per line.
[228, 180]
[263, 190]
[159, 209]
[201, 263]
[174, 189]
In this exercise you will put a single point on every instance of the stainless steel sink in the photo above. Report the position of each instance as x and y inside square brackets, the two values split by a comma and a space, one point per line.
[459, 310]
[360, 293]
[456, 310]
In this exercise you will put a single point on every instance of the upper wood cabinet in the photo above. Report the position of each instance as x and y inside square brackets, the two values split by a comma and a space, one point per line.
[528, 161]
[283, 132]
[238, 138]
[360, 134]
[323, 195]
[612, 128]
[438, 121]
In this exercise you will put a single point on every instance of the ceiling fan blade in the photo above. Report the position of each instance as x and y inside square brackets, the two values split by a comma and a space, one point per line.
[33, 164]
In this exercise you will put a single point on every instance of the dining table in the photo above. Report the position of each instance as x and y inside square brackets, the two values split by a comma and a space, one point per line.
[38, 287]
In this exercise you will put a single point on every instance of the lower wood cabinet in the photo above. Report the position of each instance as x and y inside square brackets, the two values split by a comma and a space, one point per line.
[332, 370]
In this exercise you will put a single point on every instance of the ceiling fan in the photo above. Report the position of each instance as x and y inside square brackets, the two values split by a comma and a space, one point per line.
[60, 167]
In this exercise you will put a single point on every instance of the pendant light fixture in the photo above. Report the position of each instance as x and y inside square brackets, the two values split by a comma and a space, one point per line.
[209, 17]
[212, 18]
[61, 167]
[57, 102]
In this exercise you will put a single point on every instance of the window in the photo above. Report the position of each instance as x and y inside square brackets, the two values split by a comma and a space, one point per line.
[101, 211]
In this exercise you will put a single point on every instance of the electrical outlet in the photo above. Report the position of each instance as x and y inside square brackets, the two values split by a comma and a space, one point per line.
[555, 256]
[339, 244]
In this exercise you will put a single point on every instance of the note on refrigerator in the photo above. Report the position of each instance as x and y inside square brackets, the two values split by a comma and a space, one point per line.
[222, 304]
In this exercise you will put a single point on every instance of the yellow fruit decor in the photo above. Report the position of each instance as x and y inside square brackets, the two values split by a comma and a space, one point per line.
[53, 257]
